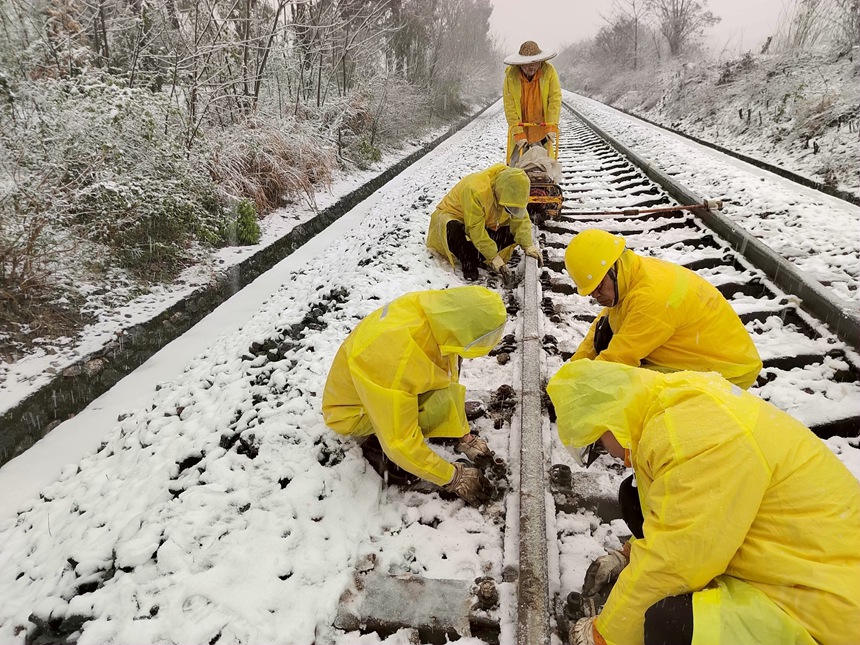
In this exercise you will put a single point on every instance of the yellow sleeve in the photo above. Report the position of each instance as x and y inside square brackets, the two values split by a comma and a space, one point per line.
[703, 493]
[642, 330]
[388, 390]
[522, 231]
[586, 347]
[513, 110]
[552, 114]
[474, 218]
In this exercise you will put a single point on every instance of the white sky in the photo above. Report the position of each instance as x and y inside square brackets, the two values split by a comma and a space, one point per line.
[555, 23]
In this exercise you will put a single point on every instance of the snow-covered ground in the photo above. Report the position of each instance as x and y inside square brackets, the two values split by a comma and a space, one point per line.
[219, 508]
[794, 109]
[118, 308]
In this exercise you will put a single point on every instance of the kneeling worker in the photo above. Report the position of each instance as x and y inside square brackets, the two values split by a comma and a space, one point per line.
[481, 219]
[751, 524]
[396, 377]
[656, 314]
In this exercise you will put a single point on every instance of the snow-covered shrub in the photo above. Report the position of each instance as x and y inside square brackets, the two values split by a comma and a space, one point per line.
[114, 169]
[150, 223]
[269, 161]
[243, 228]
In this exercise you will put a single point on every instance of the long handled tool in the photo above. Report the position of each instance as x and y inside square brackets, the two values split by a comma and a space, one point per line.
[710, 204]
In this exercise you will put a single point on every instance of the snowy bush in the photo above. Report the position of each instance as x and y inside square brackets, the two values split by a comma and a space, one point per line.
[243, 228]
[270, 161]
[107, 163]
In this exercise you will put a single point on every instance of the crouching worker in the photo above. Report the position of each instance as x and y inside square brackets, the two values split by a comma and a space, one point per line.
[395, 381]
[656, 314]
[751, 524]
[482, 218]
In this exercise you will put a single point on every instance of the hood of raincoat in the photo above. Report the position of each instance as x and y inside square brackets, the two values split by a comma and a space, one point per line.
[467, 321]
[591, 397]
[512, 188]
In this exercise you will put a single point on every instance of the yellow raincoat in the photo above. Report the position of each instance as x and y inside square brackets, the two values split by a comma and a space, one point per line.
[550, 92]
[742, 504]
[478, 200]
[669, 318]
[395, 375]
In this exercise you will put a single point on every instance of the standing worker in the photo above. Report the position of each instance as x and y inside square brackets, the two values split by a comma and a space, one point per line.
[394, 381]
[481, 219]
[656, 314]
[532, 94]
[752, 524]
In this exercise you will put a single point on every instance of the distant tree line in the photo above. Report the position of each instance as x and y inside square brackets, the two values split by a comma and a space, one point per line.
[646, 33]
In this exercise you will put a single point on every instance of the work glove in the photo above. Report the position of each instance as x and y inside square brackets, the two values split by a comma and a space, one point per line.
[470, 484]
[603, 572]
[534, 252]
[520, 143]
[500, 267]
[475, 448]
[583, 632]
[552, 136]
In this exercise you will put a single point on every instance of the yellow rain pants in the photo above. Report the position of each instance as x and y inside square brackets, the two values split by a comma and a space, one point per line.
[477, 201]
[731, 611]
[396, 374]
[729, 486]
[669, 318]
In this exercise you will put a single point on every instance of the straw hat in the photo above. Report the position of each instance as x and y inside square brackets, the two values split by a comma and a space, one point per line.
[529, 53]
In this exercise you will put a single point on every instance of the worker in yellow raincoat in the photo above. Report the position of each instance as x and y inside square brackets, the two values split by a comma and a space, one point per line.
[481, 219]
[395, 378]
[751, 524]
[656, 314]
[531, 94]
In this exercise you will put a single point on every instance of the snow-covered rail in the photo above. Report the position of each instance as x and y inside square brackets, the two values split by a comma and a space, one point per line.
[808, 370]
[223, 510]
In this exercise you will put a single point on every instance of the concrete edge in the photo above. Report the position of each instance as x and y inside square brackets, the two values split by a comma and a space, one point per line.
[533, 602]
[815, 298]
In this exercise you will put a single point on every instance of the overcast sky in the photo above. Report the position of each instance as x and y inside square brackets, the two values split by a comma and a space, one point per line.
[554, 23]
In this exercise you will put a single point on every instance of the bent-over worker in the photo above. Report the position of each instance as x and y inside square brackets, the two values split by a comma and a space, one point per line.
[656, 314]
[481, 219]
[751, 523]
[395, 378]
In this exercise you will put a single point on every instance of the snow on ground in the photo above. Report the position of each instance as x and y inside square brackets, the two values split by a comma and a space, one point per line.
[219, 508]
[818, 233]
[119, 308]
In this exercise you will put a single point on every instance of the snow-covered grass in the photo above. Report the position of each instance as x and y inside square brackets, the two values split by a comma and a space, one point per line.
[796, 109]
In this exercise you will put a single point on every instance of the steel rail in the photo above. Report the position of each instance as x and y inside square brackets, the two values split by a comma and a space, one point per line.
[815, 298]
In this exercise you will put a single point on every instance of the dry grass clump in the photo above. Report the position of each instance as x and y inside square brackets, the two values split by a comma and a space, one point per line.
[270, 165]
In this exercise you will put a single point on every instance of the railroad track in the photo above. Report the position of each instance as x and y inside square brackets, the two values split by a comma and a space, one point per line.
[424, 567]
[807, 370]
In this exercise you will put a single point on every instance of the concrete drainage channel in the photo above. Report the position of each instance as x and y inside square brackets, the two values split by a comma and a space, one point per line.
[94, 374]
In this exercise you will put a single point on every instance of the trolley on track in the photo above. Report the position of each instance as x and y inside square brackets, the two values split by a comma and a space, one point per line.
[540, 161]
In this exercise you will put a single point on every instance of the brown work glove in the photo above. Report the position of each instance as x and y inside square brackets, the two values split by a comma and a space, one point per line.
[500, 267]
[473, 447]
[603, 572]
[470, 484]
